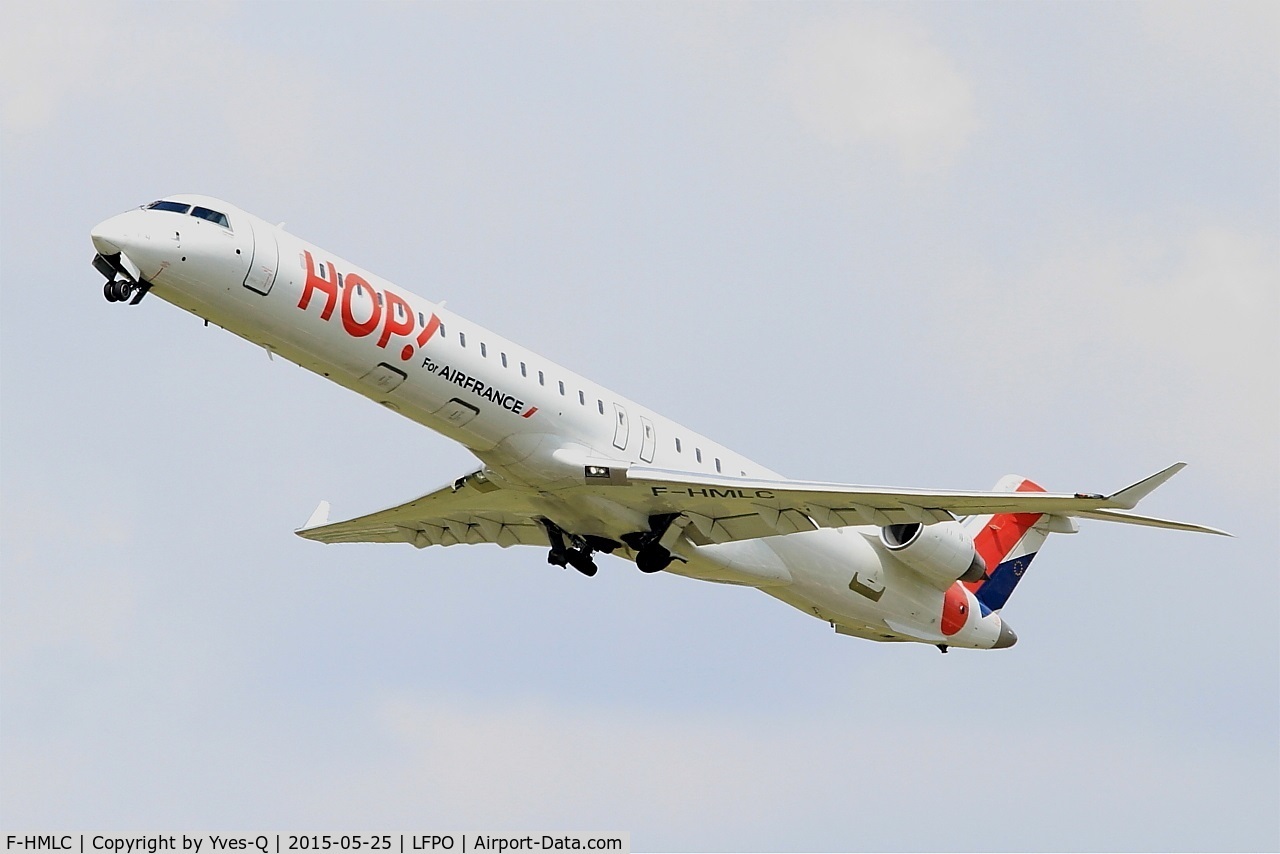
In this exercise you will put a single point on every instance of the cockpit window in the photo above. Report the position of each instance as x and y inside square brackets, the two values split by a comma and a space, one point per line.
[212, 216]
[176, 207]
[216, 217]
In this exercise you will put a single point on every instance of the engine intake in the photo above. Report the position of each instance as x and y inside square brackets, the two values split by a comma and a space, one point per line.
[943, 552]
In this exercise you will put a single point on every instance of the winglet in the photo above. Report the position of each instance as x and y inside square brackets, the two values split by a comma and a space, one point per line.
[1129, 497]
[319, 517]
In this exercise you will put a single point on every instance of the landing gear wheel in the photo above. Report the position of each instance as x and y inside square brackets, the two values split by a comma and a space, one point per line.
[577, 552]
[653, 559]
[651, 555]
[124, 290]
[109, 291]
[583, 563]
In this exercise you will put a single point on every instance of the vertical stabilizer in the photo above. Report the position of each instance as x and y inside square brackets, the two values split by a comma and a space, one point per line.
[1007, 542]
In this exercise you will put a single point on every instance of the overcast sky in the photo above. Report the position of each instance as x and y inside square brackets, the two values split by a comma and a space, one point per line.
[922, 245]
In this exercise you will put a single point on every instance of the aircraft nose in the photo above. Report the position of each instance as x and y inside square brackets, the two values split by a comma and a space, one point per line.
[129, 232]
[110, 236]
[1007, 638]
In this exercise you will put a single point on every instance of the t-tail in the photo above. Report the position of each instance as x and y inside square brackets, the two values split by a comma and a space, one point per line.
[1007, 542]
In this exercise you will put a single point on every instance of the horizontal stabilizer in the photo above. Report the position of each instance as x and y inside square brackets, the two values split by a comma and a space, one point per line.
[1149, 521]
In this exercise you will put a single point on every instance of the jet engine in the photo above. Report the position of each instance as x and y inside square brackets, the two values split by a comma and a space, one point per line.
[942, 552]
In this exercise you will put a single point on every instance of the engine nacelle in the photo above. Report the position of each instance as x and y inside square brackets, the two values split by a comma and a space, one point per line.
[943, 552]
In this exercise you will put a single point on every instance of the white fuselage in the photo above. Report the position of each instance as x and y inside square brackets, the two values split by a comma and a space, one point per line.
[530, 421]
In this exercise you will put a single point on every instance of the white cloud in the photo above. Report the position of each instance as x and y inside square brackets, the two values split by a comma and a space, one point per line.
[879, 83]
[724, 783]
[144, 65]
[48, 52]
[1177, 326]
[1231, 40]
[56, 600]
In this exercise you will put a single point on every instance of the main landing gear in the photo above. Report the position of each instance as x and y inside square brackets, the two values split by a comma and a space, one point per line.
[651, 554]
[573, 550]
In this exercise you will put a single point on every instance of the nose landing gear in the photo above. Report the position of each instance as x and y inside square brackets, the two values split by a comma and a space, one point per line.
[121, 285]
[118, 290]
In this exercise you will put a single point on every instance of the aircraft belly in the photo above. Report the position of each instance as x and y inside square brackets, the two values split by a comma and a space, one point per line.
[748, 562]
[825, 565]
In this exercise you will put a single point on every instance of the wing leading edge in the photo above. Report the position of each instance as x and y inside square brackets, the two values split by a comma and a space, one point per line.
[715, 503]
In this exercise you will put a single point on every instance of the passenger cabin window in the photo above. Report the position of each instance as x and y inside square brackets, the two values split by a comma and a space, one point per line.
[542, 380]
[697, 452]
[717, 464]
[175, 207]
[678, 451]
[582, 398]
[212, 216]
[484, 351]
[600, 406]
[443, 334]
[561, 387]
[504, 360]
[462, 338]
[523, 371]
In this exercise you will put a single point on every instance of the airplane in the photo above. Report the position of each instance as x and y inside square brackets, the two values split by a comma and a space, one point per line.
[578, 470]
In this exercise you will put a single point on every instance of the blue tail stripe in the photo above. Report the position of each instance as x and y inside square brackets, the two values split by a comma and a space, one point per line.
[996, 590]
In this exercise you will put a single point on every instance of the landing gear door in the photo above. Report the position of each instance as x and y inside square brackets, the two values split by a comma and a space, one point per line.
[621, 428]
[265, 261]
[647, 440]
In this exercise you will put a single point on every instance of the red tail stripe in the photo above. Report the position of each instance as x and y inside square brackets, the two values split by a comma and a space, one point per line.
[998, 537]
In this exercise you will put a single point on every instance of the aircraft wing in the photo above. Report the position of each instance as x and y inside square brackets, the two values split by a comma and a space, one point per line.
[470, 510]
[720, 509]
[723, 509]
